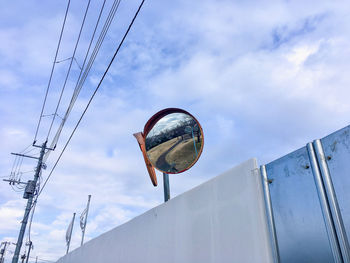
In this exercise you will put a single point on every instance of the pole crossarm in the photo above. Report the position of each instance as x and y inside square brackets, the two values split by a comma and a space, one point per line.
[24, 155]
[46, 148]
[14, 181]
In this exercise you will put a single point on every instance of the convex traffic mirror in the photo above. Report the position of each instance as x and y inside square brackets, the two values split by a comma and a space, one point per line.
[172, 142]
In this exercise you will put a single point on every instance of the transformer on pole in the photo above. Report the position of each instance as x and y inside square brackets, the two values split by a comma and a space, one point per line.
[29, 194]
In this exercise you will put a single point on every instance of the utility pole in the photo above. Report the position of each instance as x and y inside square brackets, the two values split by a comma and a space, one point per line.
[29, 193]
[3, 251]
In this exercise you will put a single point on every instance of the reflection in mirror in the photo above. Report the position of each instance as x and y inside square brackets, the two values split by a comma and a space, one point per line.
[174, 142]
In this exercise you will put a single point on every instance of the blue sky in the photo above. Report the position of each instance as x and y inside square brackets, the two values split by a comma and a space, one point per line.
[262, 77]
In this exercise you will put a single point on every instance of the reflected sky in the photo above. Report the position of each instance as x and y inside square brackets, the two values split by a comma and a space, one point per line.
[168, 122]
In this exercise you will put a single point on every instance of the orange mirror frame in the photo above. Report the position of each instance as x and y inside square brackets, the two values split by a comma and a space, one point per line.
[152, 173]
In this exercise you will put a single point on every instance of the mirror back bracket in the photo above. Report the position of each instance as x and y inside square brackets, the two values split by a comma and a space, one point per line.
[141, 140]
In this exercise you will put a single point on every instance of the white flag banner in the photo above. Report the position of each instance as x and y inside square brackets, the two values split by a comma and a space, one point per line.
[83, 219]
[69, 231]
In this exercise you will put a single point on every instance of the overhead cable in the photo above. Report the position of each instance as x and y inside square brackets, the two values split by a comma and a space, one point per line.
[52, 70]
[68, 72]
[14, 167]
[93, 95]
[32, 208]
[119, 46]
[82, 77]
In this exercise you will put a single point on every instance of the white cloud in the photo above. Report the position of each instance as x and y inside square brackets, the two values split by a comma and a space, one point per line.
[11, 213]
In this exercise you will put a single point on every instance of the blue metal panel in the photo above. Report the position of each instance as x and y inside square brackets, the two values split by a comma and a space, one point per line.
[336, 148]
[300, 228]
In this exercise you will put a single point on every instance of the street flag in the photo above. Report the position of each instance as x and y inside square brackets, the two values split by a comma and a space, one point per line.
[83, 220]
[69, 232]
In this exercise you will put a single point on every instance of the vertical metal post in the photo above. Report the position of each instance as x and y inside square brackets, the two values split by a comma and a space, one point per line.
[70, 234]
[332, 201]
[29, 206]
[269, 212]
[3, 251]
[87, 212]
[166, 187]
[327, 217]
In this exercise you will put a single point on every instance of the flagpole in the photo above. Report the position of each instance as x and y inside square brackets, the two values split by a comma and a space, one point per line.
[70, 234]
[87, 212]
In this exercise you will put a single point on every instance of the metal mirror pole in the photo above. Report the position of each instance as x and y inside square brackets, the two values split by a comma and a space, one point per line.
[166, 187]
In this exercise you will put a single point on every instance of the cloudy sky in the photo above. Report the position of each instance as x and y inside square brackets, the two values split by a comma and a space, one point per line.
[262, 77]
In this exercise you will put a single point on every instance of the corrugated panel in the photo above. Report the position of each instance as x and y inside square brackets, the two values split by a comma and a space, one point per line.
[300, 228]
[336, 147]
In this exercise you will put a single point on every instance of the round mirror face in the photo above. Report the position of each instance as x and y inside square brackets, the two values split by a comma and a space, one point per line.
[174, 143]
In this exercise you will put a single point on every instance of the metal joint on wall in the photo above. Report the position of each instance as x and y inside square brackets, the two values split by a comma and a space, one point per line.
[269, 213]
[327, 216]
[332, 201]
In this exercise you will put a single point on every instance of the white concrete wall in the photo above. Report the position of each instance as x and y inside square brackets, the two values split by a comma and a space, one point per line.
[222, 220]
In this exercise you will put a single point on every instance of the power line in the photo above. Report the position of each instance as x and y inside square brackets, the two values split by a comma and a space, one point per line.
[76, 62]
[13, 166]
[29, 151]
[79, 84]
[52, 70]
[18, 160]
[98, 86]
[26, 148]
[31, 219]
[81, 79]
[15, 176]
[93, 95]
[63, 60]
[68, 72]
[30, 207]
[18, 167]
